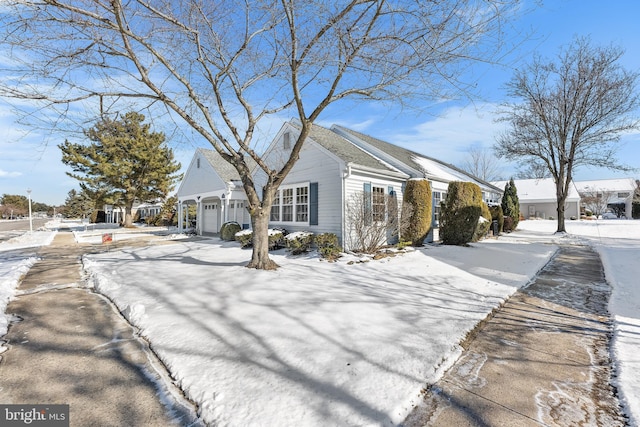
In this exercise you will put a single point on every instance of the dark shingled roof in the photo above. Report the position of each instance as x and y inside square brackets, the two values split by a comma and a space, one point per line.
[404, 155]
[226, 171]
[344, 149]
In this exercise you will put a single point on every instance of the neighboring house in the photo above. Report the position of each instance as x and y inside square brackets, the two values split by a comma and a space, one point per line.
[146, 210]
[214, 186]
[617, 192]
[538, 199]
[115, 214]
[335, 166]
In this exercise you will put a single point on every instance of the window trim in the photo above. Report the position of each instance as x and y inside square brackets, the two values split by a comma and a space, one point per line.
[280, 205]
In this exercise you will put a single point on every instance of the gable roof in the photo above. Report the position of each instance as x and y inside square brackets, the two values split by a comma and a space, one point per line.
[223, 168]
[344, 149]
[415, 164]
[619, 184]
[539, 190]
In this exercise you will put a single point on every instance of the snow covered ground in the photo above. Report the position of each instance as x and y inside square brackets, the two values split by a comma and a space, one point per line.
[318, 343]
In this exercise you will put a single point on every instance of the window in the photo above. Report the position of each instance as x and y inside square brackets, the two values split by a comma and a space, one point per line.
[286, 141]
[287, 204]
[623, 195]
[438, 197]
[275, 208]
[378, 204]
[302, 204]
[291, 205]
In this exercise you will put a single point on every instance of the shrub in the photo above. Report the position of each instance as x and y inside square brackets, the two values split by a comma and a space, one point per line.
[328, 246]
[299, 242]
[276, 238]
[244, 237]
[229, 229]
[484, 223]
[497, 215]
[508, 224]
[511, 203]
[460, 213]
[417, 195]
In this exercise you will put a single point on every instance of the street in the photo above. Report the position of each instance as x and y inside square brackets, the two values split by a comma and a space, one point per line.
[13, 228]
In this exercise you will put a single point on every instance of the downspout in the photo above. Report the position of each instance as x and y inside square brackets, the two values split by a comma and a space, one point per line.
[346, 175]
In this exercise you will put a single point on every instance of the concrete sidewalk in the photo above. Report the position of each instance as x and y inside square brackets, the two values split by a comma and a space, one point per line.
[541, 360]
[70, 346]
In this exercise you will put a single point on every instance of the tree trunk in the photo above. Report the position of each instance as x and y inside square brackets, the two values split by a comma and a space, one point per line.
[128, 217]
[260, 256]
[560, 210]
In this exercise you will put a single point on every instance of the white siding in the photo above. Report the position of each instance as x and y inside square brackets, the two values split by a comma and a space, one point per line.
[354, 186]
[314, 165]
[201, 179]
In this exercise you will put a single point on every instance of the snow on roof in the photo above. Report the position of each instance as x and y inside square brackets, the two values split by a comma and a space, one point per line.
[434, 168]
[620, 184]
[539, 189]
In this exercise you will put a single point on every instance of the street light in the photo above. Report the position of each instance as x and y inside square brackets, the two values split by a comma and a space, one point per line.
[30, 219]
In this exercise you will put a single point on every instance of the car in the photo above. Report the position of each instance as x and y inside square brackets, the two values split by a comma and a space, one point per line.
[609, 215]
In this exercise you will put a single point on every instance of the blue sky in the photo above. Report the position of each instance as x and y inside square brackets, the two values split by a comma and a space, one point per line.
[29, 159]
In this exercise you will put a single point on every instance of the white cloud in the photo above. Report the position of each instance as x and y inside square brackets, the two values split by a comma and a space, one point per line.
[449, 136]
[7, 174]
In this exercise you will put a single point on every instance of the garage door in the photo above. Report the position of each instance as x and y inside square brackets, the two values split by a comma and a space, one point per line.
[210, 217]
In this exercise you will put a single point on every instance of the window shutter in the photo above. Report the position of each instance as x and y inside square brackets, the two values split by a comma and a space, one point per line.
[392, 209]
[367, 203]
[313, 203]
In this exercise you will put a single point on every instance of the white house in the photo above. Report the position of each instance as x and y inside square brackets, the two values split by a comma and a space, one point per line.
[538, 198]
[335, 165]
[214, 187]
[618, 192]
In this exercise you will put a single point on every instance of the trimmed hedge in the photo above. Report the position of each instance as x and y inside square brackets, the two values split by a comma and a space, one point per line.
[229, 229]
[460, 213]
[417, 195]
[497, 214]
[484, 224]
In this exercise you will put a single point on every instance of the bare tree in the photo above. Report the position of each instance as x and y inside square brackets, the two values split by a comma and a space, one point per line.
[374, 220]
[570, 113]
[221, 67]
[596, 199]
[482, 163]
[533, 170]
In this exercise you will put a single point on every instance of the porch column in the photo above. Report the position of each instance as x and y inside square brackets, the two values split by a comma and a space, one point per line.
[199, 217]
[223, 209]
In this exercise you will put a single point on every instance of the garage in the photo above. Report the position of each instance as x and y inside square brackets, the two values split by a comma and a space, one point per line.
[210, 217]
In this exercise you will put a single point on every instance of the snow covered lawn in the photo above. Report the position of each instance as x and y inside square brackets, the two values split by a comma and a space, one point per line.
[313, 343]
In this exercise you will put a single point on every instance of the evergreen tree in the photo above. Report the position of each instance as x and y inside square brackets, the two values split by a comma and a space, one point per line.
[123, 163]
[417, 195]
[511, 203]
[460, 213]
[78, 204]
